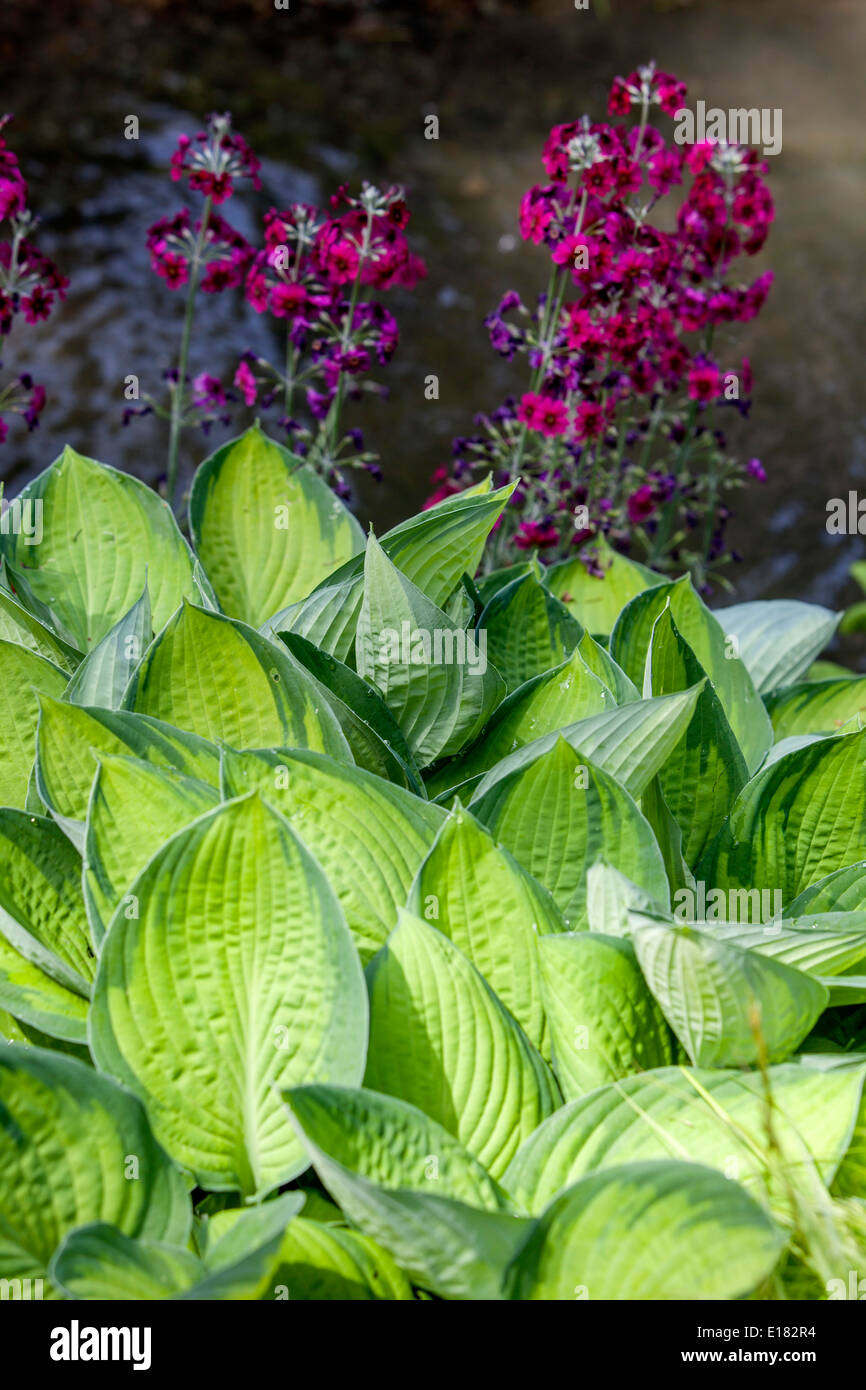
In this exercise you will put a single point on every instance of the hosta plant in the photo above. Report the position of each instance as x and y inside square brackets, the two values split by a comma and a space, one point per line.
[372, 930]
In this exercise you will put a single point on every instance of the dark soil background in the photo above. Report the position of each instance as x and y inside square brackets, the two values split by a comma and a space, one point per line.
[333, 92]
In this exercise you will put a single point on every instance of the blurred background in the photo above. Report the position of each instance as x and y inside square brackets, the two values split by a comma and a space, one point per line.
[336, 91]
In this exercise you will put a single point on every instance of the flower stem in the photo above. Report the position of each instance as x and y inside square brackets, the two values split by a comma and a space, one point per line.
[179, 392]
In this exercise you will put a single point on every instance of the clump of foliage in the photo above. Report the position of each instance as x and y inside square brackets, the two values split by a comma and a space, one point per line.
[342, 950]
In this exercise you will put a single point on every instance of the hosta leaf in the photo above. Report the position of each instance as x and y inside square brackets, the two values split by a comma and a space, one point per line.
[602, 664]
[322, 1262]
[796, 822]
[727, 1006]
[714, 1117]
[269, 699]
[105, 672]
[75, 1147]
[433, 550]
[267, 528]
[369, 836]
[17, 625]
[242, 1250]
[22, 674]
[134, 808]
[433, 678]
[72, 739]
[631, 742]
[823, 944]
[528, 630]
[603, 1021]
[239, 975]
[104, 532]
[730, 679]
[657, 1230]
[444, 1244]
[41, 907]
[441, 1039]
[478, 896]
[706, 770]
[818, 707]
[37, 999]
[597, 600]
[372, 732]
[610, 897]
[544, 704]
[842, 891]
[562, 813]
[97, 1261]
[778, 639]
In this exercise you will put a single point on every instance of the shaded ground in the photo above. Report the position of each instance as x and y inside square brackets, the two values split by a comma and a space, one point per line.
[330, 92]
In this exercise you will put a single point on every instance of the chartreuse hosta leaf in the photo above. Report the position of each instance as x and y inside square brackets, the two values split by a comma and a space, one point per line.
[602, 664]
[442, 1040]
[372, 732]
[597, 600]
[433, 549]
[103, 532]
[75, 1147]
[97, 1261]
[560, 814]
[819, 707]
[17, 625]
[72, 739]
[22, 675]
[134, 807]
[528, 630]
[731, 681]
[41, 907]
[728, 1006]
[718, 1118]
[477, 895]
[266, 527]
[706, 770]
[655, 1230]
[778, 639]
[611, 897]
[796, 822]
[630, 743]
[238, 975]
[268, 699]
[604, 1022]
[842, 891]
[434, 679]
[329, 1262]
[408, 1184]
[105, 672]
[824, 944]
[542, 705]
[368, 835]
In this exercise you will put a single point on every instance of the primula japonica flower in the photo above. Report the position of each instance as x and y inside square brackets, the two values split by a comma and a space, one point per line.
[536, 535]
[224, 254]
[641, 504]
[212, 160]
[620, 340]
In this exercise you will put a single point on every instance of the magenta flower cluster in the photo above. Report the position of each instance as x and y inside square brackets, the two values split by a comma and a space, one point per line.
[30, 284]
[627, 350]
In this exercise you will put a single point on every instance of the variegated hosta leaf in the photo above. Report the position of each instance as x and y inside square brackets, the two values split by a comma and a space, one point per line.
[597, 600]
[844, 890]
[329, 1262]
[440, 1039]
[22, 675]
[604, 1022]
[822, 944]
[450, 1230]
[41, 907]
[662, 1230]
[819, 707]
[19, 626]
[728, 1006]
[562, 813]
[103, 533]
[433, 549]
[730, 679]
[105, 672]
[544, 704]
[369, 835]
[477, 895]
[706, 769]
[71, 740]
[796, 822]
[602, 664]
[778, 639]
[528, 630]
[134, 808]
[434, 679]
[239, 975]
[267, 528]
[75, 1147]
[718, 1118]
[268, 699]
